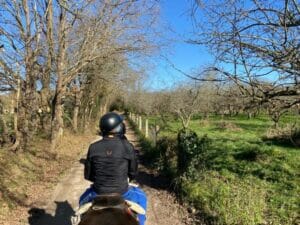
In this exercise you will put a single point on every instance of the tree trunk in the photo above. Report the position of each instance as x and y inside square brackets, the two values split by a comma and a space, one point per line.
[4, 130]
[78, 95]
[185, 121]
[75, 118]
[103, 108]
[90, 113]
[57, 122]
[249, 115]
[45, 116]
[28, 100]
[206, 115]
[275, 118]
[86, 118]
[57, 119]
[19, 115]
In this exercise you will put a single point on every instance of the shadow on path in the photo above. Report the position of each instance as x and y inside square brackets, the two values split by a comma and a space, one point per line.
[62, 216]
[148, 177]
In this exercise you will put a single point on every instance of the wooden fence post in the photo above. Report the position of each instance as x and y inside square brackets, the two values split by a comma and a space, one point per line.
[146, 128]
[140, 123]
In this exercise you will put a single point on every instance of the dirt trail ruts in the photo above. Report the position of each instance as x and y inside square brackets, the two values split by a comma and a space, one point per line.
[163, 208]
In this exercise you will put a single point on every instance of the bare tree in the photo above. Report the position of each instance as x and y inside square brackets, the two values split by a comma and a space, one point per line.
[185, 102]
[47, 44]
[20, 30]
[112, 31]
[98, 85]
[256, 45]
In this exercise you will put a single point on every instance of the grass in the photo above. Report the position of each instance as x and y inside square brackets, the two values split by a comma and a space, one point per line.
[246, 180]
[226, 201]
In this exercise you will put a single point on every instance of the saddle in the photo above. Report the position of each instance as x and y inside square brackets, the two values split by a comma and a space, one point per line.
[110, 201]
[102, 202]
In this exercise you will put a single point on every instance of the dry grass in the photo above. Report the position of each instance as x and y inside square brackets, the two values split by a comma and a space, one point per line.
[226, 125]
[290, 133]
[204, 123]
[27, 177]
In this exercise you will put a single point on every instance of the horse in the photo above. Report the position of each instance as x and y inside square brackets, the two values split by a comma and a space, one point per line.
[108, 216]
[109, 209]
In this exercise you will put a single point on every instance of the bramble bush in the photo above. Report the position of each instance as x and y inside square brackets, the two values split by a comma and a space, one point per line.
[167, 162]
[192, 153]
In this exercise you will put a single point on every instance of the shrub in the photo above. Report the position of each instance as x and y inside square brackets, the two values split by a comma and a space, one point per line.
[290, 134]
[167, 147]
[192, 153]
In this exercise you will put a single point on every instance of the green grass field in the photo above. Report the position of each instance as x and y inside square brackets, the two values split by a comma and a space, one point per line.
[247, 179]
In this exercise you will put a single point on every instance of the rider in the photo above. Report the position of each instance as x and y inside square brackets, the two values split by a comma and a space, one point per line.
[110, 162]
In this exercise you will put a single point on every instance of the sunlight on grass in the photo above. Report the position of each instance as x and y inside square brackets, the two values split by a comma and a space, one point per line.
[247, 180]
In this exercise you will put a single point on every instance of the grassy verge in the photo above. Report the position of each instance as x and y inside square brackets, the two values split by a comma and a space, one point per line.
[239, 178]
[26, 177]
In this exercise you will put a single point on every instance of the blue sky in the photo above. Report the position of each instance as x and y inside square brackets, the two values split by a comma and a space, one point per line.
[186, 57]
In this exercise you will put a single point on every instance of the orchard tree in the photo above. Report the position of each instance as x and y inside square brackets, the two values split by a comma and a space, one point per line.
[256, 46]
[185, 101]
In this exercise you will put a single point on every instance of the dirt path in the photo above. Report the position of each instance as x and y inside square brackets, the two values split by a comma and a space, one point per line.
[162, 206]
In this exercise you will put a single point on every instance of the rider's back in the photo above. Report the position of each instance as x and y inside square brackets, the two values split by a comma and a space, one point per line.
[109, 163]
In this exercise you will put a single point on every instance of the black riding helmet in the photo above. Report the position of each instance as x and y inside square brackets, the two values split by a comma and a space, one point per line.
[111, 123]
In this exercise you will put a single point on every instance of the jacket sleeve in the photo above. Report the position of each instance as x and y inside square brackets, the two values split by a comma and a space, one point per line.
[88, 173]
[133, 162]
